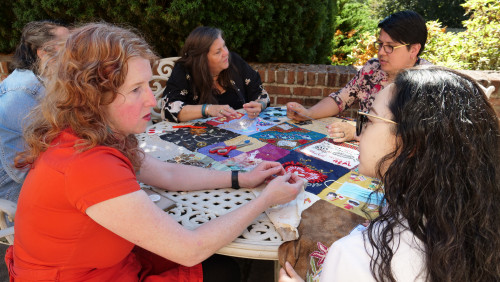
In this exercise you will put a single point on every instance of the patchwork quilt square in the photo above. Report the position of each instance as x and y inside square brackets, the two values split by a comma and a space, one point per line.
[197, 136]
[215, 121]
[357, 193]
[247, 161]
[327, 150]
[319, 174]
[274, 114]
[199, 160]
[287, 136]
[246, 125]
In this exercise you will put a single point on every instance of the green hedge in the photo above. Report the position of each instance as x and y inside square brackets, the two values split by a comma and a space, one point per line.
[260, 30]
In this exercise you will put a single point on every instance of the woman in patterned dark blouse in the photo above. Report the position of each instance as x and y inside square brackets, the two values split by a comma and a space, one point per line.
[402, 29]
[209, 81]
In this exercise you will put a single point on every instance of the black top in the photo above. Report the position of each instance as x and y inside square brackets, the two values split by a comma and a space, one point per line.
[247, 86]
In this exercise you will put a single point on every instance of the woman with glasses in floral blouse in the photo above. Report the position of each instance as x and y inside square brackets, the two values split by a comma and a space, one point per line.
[401, 40]
[209, 81]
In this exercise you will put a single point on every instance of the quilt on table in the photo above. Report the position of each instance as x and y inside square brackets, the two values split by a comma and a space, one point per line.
[318, 173]
[353, 191]
[287, 136]
[195, 138]
[329, 151]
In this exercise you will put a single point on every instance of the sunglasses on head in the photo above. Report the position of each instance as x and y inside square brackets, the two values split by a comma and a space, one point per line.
[363, 118]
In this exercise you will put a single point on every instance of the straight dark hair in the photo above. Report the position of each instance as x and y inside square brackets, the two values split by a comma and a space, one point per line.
[194, 58]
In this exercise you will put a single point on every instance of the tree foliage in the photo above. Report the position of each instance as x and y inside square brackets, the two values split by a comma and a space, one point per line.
[476, 48]
[354, 22]
[449, 12]
[260, 30]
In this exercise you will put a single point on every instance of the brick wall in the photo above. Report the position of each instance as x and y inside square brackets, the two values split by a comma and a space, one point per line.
[307, 84]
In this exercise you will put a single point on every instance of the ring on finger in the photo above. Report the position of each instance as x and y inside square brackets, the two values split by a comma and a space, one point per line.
[343, 135]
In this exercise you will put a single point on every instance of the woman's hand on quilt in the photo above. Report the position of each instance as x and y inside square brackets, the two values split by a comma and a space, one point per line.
[296, 111]
[289, 275]
[221, 111]
[253, 109]
[283, 189]
[342, 131]
[262, 172]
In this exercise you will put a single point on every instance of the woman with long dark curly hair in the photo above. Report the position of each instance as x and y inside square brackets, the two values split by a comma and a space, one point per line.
[438, 161]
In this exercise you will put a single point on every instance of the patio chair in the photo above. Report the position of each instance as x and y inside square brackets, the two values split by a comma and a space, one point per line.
[161, 72]
[7, 213]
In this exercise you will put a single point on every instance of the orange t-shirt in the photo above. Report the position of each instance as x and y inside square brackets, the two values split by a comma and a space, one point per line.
[53, 234]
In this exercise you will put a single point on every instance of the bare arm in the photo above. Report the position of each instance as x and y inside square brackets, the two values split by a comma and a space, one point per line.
[135, 218]
[177, 177]
[324, 108]
[190, 112]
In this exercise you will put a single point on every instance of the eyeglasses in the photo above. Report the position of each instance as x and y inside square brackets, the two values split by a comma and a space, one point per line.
[387, 48]
[363, 118]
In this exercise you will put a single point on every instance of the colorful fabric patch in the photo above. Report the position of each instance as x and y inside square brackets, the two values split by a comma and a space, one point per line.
[215, 121]
[247, 161]
[206, 151]
[303, 171]
[315, 170]
[270, 152]
[274, 114]
[246, 125]
[255, 143]
[196, 138]
[160, 149]
[327, 150]
[287, 136]
[353, 192]
[243, 162]
[199, 160]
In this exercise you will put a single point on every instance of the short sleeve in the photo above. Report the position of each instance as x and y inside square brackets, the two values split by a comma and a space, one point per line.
[362, 87]
[97, 175]
[347, 260]
[177, 93]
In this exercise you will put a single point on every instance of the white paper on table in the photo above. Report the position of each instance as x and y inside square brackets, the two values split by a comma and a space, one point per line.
[286, 217]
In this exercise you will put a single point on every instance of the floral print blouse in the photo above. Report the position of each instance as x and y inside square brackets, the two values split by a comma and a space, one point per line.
[369, 80]
[247, 86]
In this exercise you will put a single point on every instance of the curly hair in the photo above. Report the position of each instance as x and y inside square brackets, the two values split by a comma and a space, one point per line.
[34, 36]
[82, 78]
[444, 181]
[194, 58]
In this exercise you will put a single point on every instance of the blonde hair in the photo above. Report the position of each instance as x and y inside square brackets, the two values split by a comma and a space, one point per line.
[82, 77]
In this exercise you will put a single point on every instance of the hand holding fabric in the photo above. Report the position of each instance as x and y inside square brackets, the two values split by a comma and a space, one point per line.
[221, 111]
[283, 189]
[260, 174]
[253, 109]
[296, 111]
